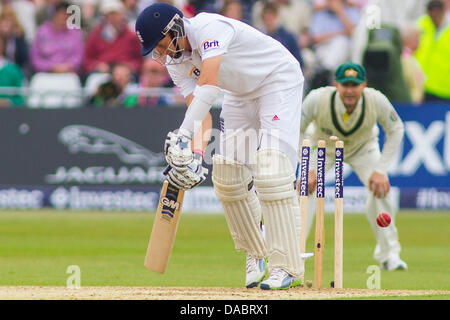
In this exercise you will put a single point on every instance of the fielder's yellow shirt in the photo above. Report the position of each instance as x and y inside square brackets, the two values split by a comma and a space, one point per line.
[433, 55]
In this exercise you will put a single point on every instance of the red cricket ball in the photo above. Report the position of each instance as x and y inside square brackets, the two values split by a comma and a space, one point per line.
[384, 219]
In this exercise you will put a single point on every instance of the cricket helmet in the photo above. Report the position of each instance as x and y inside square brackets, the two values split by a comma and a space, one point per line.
[154, 22]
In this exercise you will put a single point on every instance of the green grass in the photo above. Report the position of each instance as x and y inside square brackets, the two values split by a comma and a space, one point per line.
[36, 247]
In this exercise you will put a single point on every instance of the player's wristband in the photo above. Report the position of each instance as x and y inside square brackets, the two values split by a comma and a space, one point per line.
[198, 154]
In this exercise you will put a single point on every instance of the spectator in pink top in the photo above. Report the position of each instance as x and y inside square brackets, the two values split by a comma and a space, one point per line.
[55, 47]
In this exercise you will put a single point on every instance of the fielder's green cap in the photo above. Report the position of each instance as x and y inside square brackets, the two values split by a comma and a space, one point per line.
[350, 72]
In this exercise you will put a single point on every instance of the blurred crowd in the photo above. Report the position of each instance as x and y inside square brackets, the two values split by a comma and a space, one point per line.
[404, 46]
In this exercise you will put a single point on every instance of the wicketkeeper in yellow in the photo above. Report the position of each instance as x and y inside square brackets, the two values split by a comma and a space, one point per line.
[351, 111]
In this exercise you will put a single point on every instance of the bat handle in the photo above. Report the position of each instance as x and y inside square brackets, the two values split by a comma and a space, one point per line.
[166, 171]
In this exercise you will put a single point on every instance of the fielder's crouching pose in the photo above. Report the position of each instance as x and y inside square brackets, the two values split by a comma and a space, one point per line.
[351, 111]
[254, 172]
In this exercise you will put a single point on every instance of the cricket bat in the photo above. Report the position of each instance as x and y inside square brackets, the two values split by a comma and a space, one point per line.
[164, 228]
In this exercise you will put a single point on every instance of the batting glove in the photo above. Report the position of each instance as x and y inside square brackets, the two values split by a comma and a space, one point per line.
[177, 148]
[191, 176]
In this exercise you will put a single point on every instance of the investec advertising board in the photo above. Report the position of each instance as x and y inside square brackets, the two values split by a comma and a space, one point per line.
[83, 159]
[112, 159]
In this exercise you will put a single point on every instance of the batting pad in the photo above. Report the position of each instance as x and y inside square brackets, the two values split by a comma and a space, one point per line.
[274, 182]
[234, 188]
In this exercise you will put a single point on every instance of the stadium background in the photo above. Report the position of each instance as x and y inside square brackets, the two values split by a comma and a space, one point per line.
[123, 113]
[79, 148]
[112, 160]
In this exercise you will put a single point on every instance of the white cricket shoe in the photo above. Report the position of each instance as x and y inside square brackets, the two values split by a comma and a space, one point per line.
[280, 279]
[256, 270]
[394, 263]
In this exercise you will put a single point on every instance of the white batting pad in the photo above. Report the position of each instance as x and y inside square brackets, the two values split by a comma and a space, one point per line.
[274, 182]
[233, 186]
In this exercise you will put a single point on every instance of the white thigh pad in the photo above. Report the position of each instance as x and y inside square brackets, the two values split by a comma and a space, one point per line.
[274, 181]
[233, 184]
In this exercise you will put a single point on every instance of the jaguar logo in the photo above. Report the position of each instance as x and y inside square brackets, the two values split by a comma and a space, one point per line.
[82, 138]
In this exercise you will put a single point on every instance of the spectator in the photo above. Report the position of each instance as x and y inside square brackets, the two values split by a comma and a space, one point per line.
[112, 41]
[204, 6]
[383, 63]
[332, 25]
[232, 9]
[142, 4]
[434, 51]
[55, 47]
[447, 10]
[153, 76]
[237, 9]
[16, 47]
[273, 28]
[46, 11]
[360, 4]
[295, 15]
[25, 11]
[383, 12]
[118, 91]
[11, 77]
[412, 72]
[131, 12]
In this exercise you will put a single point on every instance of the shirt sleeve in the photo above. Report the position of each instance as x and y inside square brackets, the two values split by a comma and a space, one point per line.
[184, 83]
[215, 38]
[394, 129]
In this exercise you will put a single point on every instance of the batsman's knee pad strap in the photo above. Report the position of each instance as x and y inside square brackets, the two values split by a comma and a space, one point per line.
[274, 181]
[233, 184]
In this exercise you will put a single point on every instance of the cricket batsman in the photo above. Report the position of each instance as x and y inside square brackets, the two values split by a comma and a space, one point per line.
[351, 111]
[254, 170]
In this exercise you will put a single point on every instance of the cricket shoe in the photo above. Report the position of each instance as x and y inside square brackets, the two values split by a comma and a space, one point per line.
[280, 279]
[394, 263]
[256, 271]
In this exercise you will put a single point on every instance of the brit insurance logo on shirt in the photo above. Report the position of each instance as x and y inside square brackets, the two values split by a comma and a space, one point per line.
[209, 45]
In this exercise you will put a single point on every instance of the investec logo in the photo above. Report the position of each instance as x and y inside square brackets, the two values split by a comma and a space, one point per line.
[426, 144]
[304, 172]
[338, 173]
[320, 172]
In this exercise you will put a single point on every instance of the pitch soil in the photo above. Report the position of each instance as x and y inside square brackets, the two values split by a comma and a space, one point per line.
[194, 293]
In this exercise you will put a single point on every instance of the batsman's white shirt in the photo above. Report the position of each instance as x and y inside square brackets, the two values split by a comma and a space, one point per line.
[262, 81]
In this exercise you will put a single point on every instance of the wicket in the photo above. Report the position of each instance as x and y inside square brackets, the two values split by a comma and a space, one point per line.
[319, 241]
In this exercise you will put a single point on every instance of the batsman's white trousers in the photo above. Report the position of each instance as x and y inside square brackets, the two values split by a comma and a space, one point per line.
[271, 121]
[261, 133]
[363, 162]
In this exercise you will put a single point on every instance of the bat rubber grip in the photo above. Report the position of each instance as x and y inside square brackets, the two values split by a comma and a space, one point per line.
[166, 170]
